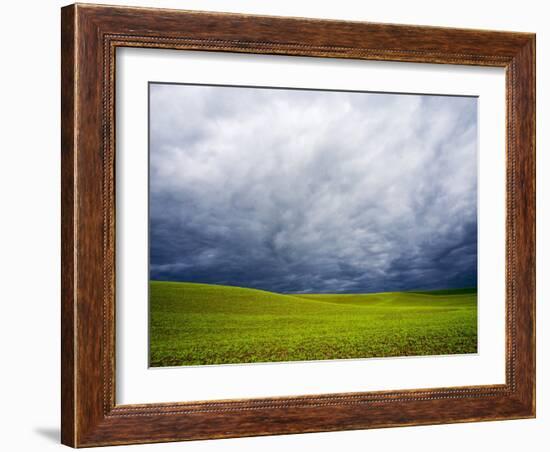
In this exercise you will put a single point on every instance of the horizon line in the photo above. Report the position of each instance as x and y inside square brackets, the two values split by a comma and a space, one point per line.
[316, 293]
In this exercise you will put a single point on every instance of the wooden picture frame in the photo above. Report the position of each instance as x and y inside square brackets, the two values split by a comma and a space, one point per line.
[90, 36]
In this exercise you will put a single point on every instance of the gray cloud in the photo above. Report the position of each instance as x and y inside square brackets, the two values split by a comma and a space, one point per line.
[309, 191]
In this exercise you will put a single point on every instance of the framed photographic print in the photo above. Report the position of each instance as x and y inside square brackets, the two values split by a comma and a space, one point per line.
[281, 225]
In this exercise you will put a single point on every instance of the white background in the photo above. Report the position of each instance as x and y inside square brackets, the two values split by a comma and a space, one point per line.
[138, 384]
[29, 230]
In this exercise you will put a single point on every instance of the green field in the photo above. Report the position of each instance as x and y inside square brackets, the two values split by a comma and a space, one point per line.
[194, 324]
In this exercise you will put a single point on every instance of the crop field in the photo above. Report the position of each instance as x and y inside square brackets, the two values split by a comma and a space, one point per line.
[198, 324]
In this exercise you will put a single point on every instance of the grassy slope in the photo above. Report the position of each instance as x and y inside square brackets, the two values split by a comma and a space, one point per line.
[206, 324]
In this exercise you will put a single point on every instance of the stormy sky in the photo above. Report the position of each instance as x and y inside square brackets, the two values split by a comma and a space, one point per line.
[312, 191]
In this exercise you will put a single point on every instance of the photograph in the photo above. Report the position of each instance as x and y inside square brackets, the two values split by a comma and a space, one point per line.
[290, 224]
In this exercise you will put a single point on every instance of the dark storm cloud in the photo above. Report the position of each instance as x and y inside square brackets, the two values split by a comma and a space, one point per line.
[307, 191]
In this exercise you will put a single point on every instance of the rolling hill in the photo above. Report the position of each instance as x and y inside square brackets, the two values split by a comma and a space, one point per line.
[199, 324]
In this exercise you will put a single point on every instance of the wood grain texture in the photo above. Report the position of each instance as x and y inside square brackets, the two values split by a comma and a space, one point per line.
[67, 224]
[90, 36]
